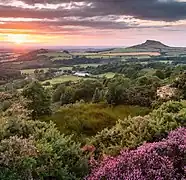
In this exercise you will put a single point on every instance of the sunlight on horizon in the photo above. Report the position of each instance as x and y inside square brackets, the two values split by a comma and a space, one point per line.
[17, 38]
[26, 39]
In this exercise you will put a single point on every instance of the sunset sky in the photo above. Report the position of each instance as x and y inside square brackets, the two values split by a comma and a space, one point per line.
[91, 22]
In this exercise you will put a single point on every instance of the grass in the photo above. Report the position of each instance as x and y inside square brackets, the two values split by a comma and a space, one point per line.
[61, 58]
[129, 50]
[107, 75]
[66, 68]
[65, 78]
[164, 61]
[62, 79]
[133, 54]
[85, 54]
[116, 53]
[119, 52]
[85, 120]
[100, 56]
[92, 55]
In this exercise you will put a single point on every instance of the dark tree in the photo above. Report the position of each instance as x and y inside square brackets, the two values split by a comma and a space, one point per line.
[39, 99]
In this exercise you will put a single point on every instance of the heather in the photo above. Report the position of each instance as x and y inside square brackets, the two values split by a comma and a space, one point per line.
[159, 160]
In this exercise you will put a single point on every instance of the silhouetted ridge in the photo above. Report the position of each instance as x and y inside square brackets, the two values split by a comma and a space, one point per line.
[150, 44]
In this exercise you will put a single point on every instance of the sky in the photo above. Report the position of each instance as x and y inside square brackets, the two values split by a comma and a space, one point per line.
[91, 22]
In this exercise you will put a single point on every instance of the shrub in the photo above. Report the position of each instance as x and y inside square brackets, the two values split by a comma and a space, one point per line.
[96, 97]
[39, 99]
[132, 132]
[68, 96]
[168, 117]
[128, 133]
[160, 160]
[36, 150]
[5, 105]
[179, 83]
[18, 156]
[58, 92]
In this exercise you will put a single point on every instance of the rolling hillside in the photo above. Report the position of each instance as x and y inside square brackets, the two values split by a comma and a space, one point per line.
[151, 46]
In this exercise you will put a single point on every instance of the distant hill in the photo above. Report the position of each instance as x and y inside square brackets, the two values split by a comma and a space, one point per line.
[157, 46]
[32, 55]
[150, 44]
[43, 53]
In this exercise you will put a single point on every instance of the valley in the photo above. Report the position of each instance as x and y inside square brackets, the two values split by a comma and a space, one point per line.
[69, 108]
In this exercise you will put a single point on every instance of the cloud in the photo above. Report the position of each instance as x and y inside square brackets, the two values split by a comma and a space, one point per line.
[89, 16]
[162, 10]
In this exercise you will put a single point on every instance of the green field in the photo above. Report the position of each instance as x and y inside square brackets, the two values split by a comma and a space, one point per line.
[61, 58]
[66, 78]
[84, 54]
[62, 79]
[66, 68]
[92, 55]
[107, 75]
[130, 50]
[120, 53]
[164, 61]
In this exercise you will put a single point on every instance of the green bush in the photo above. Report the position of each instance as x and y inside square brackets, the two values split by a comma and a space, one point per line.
[68, 96]
[71, 92]
[168, 117]
[132, 132]
[128, 133]
[39, 99]
[58, 92]
[5, 105]
[36, 150]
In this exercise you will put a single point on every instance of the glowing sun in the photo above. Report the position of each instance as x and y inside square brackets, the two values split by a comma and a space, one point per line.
[17, 38]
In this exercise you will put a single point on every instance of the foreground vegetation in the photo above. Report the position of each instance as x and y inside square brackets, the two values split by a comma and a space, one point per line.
[160, 160]
[34, 149]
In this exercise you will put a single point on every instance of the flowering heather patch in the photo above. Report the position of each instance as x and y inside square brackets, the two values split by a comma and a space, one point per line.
[165, 160]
